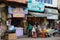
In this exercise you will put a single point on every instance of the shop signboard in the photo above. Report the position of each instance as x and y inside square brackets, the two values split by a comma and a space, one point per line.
[18, 12]
[52, 17]
[19, 1]
[39, 14]
[49, 10]
[18, 15]
[35, 6]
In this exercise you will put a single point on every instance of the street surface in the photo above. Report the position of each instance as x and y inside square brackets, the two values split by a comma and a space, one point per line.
[51, 38]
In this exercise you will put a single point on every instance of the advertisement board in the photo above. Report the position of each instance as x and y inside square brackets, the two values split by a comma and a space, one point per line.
[52, 17]
[50, 10]
[35, 6]
[18, 15]
[18, 12]
[10, 10]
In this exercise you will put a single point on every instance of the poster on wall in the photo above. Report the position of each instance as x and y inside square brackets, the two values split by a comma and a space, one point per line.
[10, 10]
[18, 12]
[35, 6]
[19, 32]
[25, 9]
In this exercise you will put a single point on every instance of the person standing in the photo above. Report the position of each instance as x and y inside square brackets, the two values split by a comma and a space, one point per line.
[30, 27]
[43, 33]
[34, 32]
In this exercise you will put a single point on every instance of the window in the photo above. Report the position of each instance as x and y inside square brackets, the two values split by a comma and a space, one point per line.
[41, 0]
[45, 1]
[48, 1]
[51, 1]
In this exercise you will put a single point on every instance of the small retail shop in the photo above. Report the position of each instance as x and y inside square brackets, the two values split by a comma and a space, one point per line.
[54, 16]
[39, 20]
[49, 17]
[34, 10]
[17, 15]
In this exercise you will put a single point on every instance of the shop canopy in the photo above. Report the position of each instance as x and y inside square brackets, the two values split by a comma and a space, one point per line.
[19, 1]
[51, 11]
[39, 14]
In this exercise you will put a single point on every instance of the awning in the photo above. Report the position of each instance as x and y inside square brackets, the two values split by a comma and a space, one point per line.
[40, 14]
[19, 1]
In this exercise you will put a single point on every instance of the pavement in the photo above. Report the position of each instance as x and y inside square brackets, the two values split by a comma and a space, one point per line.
[25, 37]
[50, 38]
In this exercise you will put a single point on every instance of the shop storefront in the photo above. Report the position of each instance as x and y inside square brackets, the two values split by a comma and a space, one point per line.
[32, 20]
[52, 20]
[17, 15]
[54, 16]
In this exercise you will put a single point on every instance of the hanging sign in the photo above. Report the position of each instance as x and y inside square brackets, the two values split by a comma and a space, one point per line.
[49, 10]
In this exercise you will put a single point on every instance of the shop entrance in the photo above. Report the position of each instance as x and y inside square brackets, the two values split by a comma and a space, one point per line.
[35, 20]
[17, 22]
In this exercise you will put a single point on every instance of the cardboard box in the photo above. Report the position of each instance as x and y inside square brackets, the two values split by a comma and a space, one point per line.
[12, 36]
